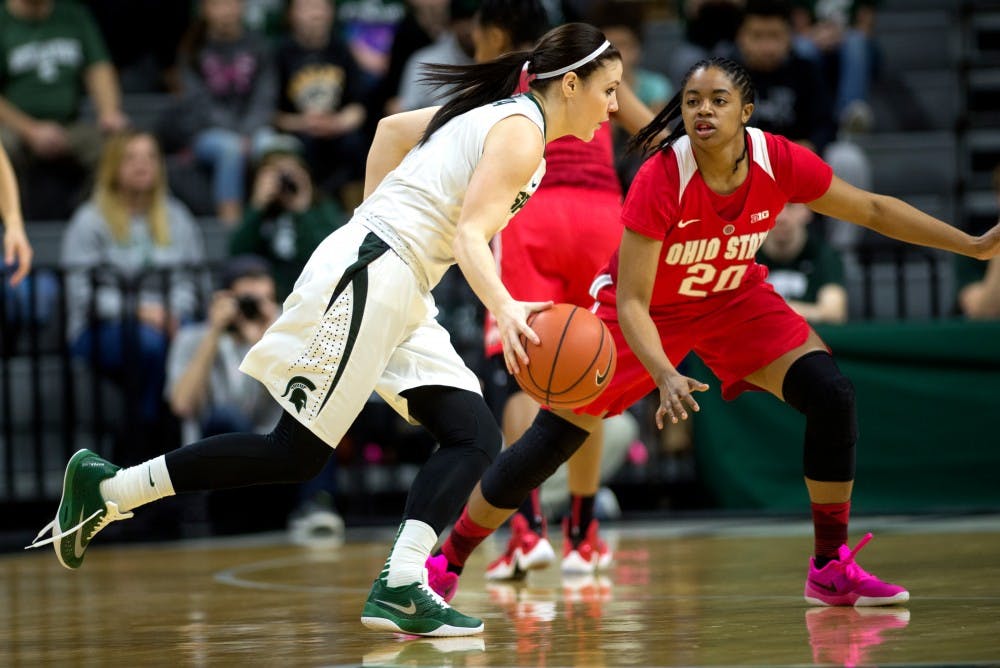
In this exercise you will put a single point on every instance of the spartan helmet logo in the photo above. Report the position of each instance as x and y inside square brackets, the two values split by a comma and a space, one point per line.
[297, 386]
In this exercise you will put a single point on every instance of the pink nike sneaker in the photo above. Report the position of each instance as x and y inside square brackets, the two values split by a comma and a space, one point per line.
[440, 579]
[526, 551]
[844, 582]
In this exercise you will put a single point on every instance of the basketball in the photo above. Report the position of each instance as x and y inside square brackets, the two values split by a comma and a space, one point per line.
[574, 361]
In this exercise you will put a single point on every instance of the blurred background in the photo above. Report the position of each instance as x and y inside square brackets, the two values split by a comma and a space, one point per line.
[176, 158]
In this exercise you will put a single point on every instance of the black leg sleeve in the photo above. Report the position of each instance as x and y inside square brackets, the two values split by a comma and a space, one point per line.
[815, 387]
[290, 453]
[531, 459]
[469, 440]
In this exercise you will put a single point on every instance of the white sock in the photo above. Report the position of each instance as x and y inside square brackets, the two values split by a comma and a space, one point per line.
[138, 485]
[413, 545]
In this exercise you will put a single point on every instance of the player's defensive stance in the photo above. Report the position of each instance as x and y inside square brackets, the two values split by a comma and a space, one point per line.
[685, 280]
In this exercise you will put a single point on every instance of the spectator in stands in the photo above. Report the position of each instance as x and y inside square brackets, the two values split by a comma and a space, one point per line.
[805, 271]
[320, 96]
[423, 22]
[229, 97]
[117, 244]
[709, 29]
[204, 385]
[838, 35]
[368, 26]
[793, 100]
[16, 249]
[146, 60]
[979, 282]
[980, 299]
[207, 391]
[287, 216]
[621, 22]
[51, 54]
[453, 47]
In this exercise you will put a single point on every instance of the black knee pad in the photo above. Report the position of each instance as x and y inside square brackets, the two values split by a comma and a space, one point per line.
[529, 461]
[456, 418]
[815, 387]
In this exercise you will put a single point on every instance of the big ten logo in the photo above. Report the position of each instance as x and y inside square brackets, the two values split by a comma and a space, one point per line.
[704, 278]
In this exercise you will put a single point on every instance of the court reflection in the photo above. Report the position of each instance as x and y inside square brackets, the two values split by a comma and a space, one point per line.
[572, 612]
[849, 636]
[404, 650]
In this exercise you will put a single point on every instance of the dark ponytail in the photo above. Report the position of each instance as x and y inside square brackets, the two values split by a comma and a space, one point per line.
[480, 84]
[643, 140]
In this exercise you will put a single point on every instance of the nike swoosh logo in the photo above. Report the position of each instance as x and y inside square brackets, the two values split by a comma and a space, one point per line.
[601, 377]
[149, 472]
[405, 609]
[78, 547]
[824, 587]
[684, 223]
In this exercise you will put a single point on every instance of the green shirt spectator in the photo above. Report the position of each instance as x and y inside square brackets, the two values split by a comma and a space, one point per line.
[44, 61]
[803, 269]
[286, 219]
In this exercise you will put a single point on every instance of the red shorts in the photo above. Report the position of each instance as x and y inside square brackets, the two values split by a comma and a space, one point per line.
[734, 339]
[555, 246]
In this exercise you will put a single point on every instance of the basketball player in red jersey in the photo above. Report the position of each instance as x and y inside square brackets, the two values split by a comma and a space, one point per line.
[564, 235]
[684, 279]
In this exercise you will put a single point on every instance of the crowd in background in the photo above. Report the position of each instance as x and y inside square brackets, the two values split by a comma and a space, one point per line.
[263, 112]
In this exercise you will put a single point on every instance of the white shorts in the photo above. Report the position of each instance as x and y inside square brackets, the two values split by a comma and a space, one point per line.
[327, 352]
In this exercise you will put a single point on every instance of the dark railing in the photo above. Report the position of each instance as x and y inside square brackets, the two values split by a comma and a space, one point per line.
[53, 403]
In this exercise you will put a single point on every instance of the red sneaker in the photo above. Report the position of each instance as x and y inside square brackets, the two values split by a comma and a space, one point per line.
[526, 551]
[589, 555]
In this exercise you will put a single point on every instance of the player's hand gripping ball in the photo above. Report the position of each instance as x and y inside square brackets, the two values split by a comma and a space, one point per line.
[574, 361]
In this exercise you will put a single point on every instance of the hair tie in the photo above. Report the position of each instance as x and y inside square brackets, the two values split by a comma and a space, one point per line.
[528, 78]
[569, 68]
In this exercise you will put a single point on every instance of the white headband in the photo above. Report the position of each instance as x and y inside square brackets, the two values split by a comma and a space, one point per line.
[569, 68]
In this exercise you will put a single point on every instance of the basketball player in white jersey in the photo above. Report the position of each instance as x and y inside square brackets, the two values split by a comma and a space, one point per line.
[361, 317]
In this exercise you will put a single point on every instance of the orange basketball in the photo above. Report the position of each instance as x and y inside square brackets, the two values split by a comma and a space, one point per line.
[574, 361]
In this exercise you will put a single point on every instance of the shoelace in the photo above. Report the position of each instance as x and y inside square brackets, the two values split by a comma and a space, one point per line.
[111, 515]
[433, 594]
[851, 566]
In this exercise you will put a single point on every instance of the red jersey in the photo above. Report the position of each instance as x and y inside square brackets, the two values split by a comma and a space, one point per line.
[570, 161]
[709, 240]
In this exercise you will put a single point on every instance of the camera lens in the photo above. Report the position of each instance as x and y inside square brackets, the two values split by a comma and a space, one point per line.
[249, 306]
[288, 184]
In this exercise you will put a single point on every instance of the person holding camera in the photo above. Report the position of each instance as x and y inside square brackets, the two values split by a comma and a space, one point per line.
[205, 387]
[287, 218]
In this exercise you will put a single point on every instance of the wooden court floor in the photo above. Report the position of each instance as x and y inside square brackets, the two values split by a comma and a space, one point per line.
[681, 593]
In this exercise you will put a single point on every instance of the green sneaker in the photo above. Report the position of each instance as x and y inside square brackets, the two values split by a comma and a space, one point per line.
[82, 510]
[415, 609]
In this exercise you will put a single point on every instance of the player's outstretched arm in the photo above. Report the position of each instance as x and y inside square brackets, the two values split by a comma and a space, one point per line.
[897, 219]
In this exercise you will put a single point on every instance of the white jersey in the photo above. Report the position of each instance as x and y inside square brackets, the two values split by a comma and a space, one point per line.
[415, 209]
